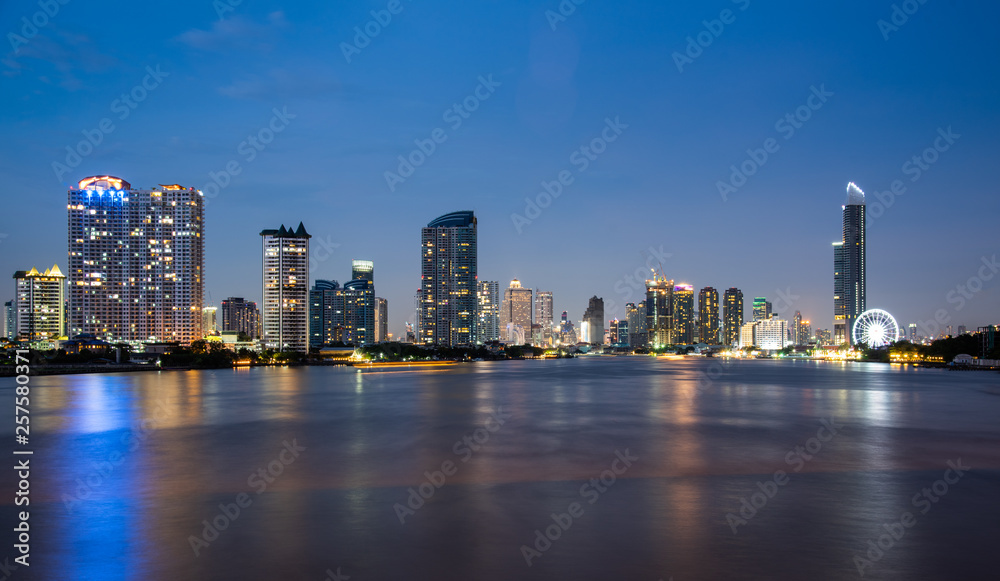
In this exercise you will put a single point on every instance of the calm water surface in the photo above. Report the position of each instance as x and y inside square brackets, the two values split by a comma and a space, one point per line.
[128, 468]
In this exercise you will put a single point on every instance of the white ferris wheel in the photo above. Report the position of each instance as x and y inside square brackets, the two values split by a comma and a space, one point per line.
[875, 328]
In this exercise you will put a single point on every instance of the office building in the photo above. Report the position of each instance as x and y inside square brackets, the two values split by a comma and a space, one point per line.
[638, 335]
[768, 334]
[359, 312]
[326, 314]
[567, 332]
[801, 330]
[708, 316]
[285, 316]
[761, 309]
[209, 322]
[41, 304]
[381, 320]
[241, 316]
[849, 267]
[748, 334]
[803, 334]
[659, 311]
[136, 261]
[732, 316]
[683, 309]
[488, 327]
[544, 315]
[448, 278]
[771, 334]
[363, 270]
[593, 318]
[343, 314]
[515, 312]
[824, 337]
[618, 331]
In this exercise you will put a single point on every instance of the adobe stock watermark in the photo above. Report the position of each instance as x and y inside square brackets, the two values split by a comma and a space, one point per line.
[101, 471]
[914, 167]
[786, 126]
[708, 377]
[961, 294]
[258, 480]
[899, 16]
[38, 20]
[592, 491]
[697, 44]
[321, 250]
[785, 300]
[364, 34]
[580, 158]
[565, 9]
[338, 576]
[464, 449]
[248, 149]
[223, 6]
[454, 117]
[797, 458]
[6, 569]
[124, 105]
[636, 280]
[895, 531]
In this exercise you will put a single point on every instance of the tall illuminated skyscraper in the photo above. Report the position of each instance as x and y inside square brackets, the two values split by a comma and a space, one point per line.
[683, 314]
[9, 324]
[515, 312]
[381, 320]
[849, 285]
[41, 307]
[448, 278]
[659, 311]
[489, 311]
[136, 261]
[286, 288]
[708, 315]
[732, 316]
[544, 316]
[543, 308]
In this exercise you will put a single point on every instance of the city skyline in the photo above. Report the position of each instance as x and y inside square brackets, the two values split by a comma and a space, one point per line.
[879, 117]
[681, 314]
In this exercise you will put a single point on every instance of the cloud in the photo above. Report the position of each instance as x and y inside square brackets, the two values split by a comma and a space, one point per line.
[236, 32]
[69, 53]
[285, 84]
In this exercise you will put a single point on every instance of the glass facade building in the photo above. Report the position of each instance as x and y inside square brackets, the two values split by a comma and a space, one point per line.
[448, 280]
[849, 267]
[708, 315]
[732, 316]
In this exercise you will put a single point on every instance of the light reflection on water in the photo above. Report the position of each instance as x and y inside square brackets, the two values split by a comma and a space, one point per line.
[128, 466]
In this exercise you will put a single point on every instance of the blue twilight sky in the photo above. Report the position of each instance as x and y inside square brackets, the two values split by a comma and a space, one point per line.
[551, 92]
